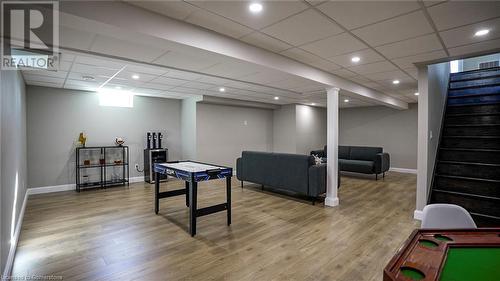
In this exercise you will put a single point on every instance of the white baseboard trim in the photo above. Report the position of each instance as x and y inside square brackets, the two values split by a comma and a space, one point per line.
[403, 170]
[13, 243]
[417, 214]
[66, 187]
[136, 179]
[50, 189]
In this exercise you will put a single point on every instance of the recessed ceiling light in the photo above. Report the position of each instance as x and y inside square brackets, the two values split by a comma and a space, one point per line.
[313, 103]
[276, 98]
[255, 8]
[222, 89]
[346, 100]
[118, 87]
[416, 94]
[135, 76]
[482, 32]
[88, 78]
[355, 59]
[395, 82]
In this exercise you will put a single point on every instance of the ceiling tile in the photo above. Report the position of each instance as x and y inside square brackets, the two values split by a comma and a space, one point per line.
[185, 75]
[97, 78]
[382, 66]
[174, 9]
[231, 69]
[76, 39]
[265, 77]
[264, 41]
[353, 14]
[48, 73]
[185, 61]
[217, 23]
[92, 70]
[396, 29]
[44, 84]
[465, 35]
[390, 75]
[413, 71]
[409, 61]
[127, 75]
[409, 47]
[344, 73]
[151, 70]
[158, 86]
[125, 49]
[110, 64]
[366, 56]
[457, 13]
[334, 46]
[303, 28]
[310, 59]
[238, 11]
[40, 78]
[484, 46]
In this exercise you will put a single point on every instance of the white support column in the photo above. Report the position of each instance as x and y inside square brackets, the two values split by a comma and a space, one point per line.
[332, 141]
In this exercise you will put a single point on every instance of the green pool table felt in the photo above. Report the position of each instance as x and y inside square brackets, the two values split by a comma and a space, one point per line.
[471, 264]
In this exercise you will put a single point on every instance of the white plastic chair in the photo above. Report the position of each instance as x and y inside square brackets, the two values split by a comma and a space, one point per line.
[446, 216]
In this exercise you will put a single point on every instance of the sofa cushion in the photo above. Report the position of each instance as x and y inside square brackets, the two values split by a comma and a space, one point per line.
[364, 153]
[291, 172]
[344, 152]
[358, 166]
[258, 167]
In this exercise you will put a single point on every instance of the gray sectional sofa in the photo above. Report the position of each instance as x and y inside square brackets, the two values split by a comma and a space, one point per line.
[360, 159]
[291, 173]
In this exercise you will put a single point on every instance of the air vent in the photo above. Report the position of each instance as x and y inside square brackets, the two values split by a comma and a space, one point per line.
[488, 64]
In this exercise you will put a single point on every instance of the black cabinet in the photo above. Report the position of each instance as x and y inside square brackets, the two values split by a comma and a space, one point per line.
[102, 166]
[152, 156]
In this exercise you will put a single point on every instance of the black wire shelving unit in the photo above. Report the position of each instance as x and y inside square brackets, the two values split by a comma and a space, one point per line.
[102, 163]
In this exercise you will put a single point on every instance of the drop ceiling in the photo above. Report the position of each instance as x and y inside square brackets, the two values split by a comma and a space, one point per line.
[388, 36]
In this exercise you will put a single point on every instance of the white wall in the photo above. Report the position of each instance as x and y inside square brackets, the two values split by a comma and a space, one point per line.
[57, 116]
[394, 130]
[473, 63]
[223, 132]
[13, 170]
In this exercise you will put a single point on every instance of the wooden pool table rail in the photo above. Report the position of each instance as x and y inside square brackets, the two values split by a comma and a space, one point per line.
[430, 260]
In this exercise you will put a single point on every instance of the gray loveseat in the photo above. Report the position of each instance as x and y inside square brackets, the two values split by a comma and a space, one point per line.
[360, 159]
[291, 173]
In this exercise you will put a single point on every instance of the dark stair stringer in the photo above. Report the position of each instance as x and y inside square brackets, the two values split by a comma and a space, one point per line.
[467, 171]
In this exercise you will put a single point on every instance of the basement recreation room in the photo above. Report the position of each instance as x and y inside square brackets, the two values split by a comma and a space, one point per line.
[295, 140]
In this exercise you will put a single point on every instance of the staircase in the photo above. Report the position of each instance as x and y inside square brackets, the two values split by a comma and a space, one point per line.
[467, 171]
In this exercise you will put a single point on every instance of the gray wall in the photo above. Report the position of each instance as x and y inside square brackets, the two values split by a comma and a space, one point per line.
[188, 128]
[57, 116]
[284, 129]
[224, 131]
[394, 130]
[310, 128]
[473, 63]
[13, 155]
[299, 128]
[437, 79]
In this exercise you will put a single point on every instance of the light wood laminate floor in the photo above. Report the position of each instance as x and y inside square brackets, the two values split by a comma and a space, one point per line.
[114, 234]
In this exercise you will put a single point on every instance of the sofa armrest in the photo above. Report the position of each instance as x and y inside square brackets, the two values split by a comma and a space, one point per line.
[320, 153]
[317, 180]
[382, 163]
[239, 169]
